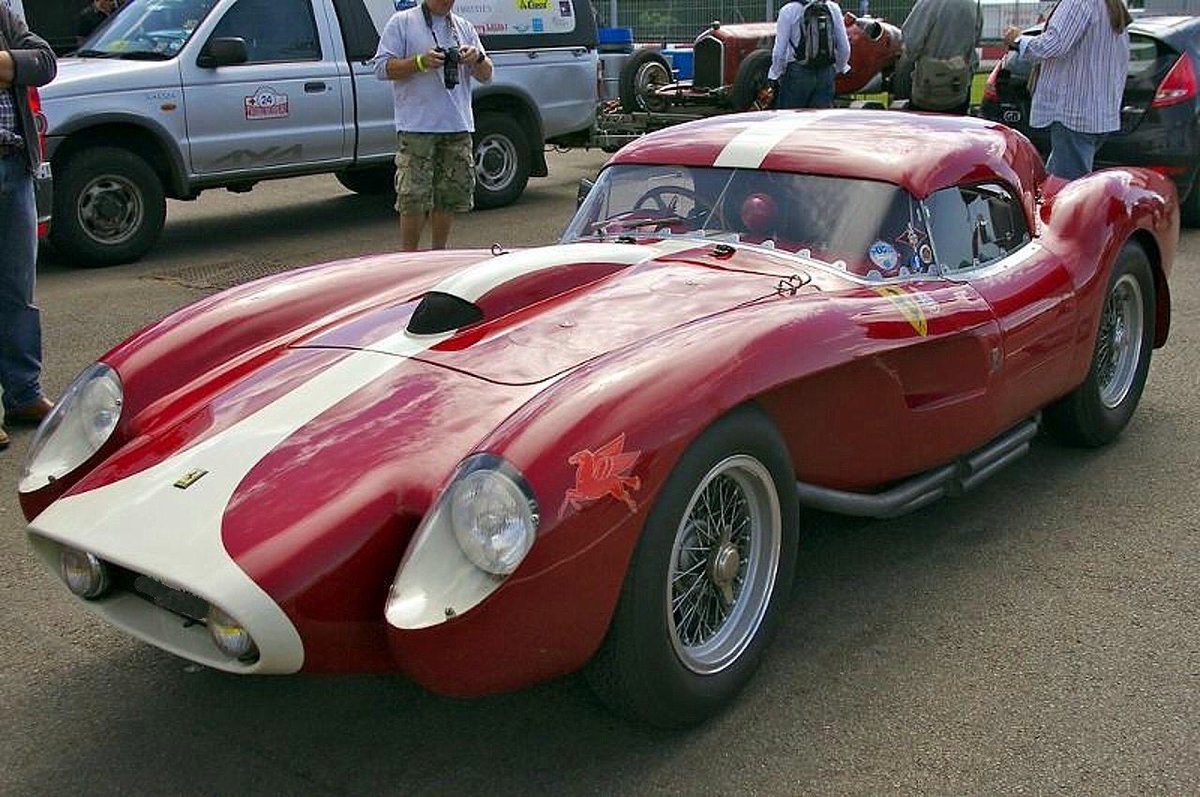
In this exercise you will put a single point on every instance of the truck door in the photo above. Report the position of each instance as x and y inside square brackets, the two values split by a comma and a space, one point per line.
[282, 109]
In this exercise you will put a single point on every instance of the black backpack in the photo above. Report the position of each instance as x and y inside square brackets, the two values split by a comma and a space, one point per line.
[815, 48]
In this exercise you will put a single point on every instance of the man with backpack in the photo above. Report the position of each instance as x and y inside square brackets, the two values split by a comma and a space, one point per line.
[811, 50]
[939, 60]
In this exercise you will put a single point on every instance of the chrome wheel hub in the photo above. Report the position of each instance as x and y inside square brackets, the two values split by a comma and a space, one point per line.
[1119, 344]
[723, 565]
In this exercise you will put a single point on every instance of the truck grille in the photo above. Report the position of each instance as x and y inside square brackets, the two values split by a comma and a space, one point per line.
[708, 54]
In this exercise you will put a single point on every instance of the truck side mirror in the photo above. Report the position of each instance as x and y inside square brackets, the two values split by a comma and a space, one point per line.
[223, 51]
[585, 188]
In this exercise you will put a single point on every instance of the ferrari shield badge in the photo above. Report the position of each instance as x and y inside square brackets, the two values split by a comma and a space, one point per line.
[908, 305]
[602, 472]
[191, 477]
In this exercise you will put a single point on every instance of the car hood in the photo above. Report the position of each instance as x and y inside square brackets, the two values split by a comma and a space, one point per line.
[545, 311]
[96, 76]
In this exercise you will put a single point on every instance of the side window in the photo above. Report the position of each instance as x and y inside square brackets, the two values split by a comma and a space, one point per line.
[274, 30]
[974, 225]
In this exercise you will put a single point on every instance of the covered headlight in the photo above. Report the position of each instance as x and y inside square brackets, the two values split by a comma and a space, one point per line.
[494, 522]
[230, 637]
[477, 533]
[83, 573]
[79, 424]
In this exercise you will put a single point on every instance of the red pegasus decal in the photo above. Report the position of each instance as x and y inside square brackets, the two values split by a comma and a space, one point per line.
[602, 472]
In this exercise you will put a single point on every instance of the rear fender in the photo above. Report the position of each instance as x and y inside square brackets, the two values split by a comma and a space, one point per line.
[1090, 219]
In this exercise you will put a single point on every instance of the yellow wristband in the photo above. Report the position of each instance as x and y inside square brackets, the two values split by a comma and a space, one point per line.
[420, 62]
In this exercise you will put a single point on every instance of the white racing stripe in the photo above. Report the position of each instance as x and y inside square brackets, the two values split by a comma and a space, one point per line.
[750, 148]
[477, 280]
[147, 524]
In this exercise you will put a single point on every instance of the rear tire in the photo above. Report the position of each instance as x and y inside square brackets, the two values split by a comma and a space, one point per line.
[373, 181]
[1096, 412]
[644, 71]
[109, 207]
[502, 160]
[750, 80]
[718, 549]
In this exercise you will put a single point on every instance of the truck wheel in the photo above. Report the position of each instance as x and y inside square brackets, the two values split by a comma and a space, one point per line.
[373, 181]
[502, 162]
[645, 71]
[109, 207]
[751, 79]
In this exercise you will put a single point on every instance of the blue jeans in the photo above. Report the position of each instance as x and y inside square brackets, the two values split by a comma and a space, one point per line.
[805, 87]
[20, 320]
[1072, 153]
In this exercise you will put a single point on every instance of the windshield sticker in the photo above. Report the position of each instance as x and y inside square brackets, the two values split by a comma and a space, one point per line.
[266, 103]
[885, 256]
[602, 472]
[926, 254]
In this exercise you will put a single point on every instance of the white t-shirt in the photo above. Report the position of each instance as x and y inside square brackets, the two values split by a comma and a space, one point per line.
[422, 103]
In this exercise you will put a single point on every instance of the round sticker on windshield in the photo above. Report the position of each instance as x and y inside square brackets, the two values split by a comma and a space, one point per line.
[926, 254]
[885, 256]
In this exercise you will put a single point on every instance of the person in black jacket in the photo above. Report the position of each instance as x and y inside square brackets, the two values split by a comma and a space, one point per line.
[25, 60]
[93, 16]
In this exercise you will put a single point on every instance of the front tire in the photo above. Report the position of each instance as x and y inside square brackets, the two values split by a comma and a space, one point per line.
[502, 160]
[1096, 412]
[372, 181]
[641, 74]
[109, 207]
[708, 579]
[748, 84]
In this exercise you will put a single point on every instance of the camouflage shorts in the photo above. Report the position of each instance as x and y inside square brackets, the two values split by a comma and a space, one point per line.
[435, 170]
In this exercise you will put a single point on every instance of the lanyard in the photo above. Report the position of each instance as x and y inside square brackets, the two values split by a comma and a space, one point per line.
[449, 23]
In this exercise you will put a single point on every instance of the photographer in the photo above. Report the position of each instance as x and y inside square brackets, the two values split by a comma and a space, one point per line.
[431, 56]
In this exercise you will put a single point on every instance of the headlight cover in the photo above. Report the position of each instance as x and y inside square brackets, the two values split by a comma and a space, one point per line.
[478, 532]
[79, 424]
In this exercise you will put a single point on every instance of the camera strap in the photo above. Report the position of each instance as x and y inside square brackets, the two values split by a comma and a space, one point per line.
[449, 24]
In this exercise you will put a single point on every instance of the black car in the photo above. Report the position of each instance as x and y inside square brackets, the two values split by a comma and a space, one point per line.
[1160, 113]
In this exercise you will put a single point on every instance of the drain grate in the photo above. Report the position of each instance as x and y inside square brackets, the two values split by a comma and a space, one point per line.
[226, 274]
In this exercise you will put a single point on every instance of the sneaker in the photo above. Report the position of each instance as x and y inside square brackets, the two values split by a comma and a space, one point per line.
[30, 414]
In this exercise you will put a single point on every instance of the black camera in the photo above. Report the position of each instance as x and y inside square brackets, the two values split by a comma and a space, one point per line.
[450, 66]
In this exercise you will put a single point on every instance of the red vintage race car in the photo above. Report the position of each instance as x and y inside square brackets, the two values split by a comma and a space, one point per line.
[731, 63]
[487, 469]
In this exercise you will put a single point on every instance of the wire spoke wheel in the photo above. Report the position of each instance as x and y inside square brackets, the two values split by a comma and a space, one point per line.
[1119, 344]
[723, 564]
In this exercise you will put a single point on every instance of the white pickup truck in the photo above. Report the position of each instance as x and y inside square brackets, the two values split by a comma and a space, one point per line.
[172, 97]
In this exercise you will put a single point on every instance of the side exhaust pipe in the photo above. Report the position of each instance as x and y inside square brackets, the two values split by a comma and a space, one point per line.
[925, 488]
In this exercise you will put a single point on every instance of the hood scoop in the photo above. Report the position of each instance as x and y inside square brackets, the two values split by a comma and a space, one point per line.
[513, 281]
[443, 312]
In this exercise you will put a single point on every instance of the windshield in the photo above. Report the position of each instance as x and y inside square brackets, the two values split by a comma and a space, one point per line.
[873, 229]
[150, 29]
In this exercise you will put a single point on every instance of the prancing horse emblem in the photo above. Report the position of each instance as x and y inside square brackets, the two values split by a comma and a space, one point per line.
[602, 472]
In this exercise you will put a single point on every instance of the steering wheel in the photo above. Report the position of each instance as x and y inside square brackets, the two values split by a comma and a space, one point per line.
[659, 197]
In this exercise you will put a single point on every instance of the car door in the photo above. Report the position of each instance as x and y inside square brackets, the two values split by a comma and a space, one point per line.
[980, 237]
[282, 109]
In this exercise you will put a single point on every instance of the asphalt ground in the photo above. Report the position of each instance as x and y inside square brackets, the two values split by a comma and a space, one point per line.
[1039, 635]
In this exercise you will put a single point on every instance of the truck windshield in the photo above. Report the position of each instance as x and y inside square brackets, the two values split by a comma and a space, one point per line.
[148, 29]
[872, 229]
